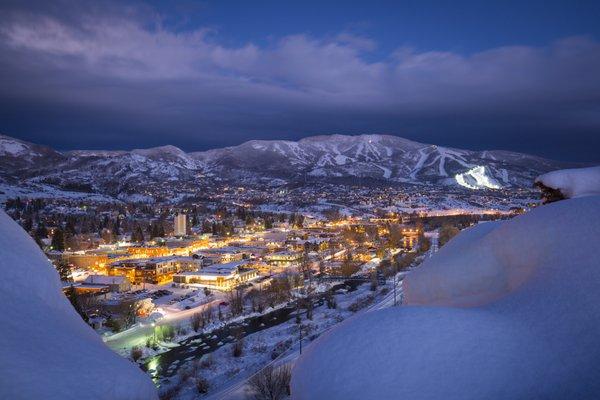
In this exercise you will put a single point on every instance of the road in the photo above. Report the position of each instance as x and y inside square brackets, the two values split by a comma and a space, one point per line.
[434, 236]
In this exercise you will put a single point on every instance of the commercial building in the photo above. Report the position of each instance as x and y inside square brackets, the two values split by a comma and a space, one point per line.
[157, 270]
[218, 276]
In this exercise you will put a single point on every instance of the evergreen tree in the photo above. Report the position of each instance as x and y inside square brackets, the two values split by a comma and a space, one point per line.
[28, 224]
[206, 227]
[40, 233]
[268, 223]
[64, 271]
[58, 240]
[74, 298]
[137, 235]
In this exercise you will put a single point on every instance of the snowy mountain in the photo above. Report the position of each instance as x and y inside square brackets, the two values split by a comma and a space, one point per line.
[386, 159]
[48, 352]
[18, 157]
[380, 157]
[505, 310]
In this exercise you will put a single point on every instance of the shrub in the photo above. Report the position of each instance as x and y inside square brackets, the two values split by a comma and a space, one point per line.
[271, 383]
[202, 385]
[167, 332]
[136, 353]
[206, 362]
[238, 348]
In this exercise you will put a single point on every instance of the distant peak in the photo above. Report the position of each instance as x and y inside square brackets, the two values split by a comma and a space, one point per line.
[160, 149]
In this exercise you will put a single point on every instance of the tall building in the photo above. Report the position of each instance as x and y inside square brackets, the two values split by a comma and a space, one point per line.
[180, 225]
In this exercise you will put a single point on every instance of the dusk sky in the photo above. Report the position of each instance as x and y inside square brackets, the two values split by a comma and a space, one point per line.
[515, 75]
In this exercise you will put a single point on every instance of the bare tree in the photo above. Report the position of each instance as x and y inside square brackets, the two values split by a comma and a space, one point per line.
[236, 301]
[196, 321]
[271, 383]
[238, 345]
[136, 353]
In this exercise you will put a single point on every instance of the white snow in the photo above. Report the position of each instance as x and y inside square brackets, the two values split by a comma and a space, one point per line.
[506, 310]
[12, 147]
[577, 182]
[341, 160]
[476, 178]
[47, 351]
[419, 165]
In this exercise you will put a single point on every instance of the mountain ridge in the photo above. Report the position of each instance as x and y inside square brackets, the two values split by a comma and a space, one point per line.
[385, 158]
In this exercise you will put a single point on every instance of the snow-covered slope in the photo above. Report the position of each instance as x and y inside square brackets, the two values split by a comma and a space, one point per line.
[506, 310]
[47, 351]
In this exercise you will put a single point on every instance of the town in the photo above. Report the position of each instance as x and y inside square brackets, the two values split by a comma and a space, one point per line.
[172, 287]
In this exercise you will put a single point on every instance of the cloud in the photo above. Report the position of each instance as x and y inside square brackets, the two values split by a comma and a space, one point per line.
[131, 64]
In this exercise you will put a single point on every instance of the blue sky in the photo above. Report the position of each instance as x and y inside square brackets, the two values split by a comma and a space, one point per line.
[510, 75]
[462, 26]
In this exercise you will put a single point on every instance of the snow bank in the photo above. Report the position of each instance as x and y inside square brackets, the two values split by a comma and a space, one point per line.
[573, 183]
[46, 350]
[527, 325]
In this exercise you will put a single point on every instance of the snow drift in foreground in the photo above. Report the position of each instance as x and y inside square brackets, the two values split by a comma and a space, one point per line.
[572, 183]
[507, 310]
[46, 350]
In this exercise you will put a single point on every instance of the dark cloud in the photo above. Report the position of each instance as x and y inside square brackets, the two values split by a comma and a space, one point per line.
[117, 77]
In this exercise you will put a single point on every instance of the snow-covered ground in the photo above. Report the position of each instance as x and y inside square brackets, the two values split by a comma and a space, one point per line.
[47, 351]
[227, 375]
[573, 183]
[506, 310]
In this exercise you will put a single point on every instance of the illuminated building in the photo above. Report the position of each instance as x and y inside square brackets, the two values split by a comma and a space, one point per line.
[218, 276]
[180, 225]
[157, 270]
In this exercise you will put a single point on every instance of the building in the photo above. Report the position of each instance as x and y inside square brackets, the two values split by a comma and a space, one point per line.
[114, 283]
[221, 255]
[283, 258]
[156, 270]
[180, 225]
[170, 247]
[86, 260]
[218, 276]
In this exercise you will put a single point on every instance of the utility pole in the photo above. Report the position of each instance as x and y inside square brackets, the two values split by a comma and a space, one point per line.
[395, 284]
[299, 322]
[300, 330]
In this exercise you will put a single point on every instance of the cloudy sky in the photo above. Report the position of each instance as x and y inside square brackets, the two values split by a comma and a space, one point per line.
[522, 76]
